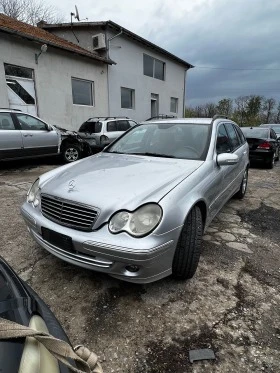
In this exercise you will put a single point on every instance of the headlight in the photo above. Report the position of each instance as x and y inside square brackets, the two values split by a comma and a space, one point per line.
[137, 223]
[33, 193]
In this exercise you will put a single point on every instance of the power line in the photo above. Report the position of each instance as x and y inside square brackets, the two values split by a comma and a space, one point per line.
[229, 68]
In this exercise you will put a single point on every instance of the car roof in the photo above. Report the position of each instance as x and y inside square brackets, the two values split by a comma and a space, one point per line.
[270, 125]
[186, 120]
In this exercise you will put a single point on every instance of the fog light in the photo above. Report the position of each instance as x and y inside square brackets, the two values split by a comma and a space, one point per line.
[132, 268]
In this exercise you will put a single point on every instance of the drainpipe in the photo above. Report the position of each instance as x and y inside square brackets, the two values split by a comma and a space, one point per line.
[184, 98]
[108, 67]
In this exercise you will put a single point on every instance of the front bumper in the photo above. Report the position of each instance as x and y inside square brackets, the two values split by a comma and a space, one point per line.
[104, 252]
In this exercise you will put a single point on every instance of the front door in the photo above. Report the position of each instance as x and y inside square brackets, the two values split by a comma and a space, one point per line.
[154, 105]
[11, 145]
[38, 139]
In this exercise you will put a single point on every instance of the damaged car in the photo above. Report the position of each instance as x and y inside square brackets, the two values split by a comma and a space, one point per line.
[25, 136]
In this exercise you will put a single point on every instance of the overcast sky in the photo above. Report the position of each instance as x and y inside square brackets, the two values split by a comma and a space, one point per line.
[227, 34]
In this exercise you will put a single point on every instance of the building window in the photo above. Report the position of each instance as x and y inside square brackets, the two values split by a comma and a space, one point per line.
[19, 71]
[127, 98]
[82, 92]
[174, 105]
[153, 67]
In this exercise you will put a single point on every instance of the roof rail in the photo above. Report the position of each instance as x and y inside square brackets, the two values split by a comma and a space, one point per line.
[8, 108]
[218, 116]
[106, 118]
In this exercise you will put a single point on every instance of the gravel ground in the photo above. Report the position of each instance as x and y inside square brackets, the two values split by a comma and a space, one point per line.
[231, 305]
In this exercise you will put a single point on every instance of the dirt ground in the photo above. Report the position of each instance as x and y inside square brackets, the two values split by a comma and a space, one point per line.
[232, 305]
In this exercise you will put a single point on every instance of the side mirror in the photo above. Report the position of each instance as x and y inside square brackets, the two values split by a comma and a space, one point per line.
[49, 128]
[227, 159]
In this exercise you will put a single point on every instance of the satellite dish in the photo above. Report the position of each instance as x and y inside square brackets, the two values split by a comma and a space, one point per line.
[77, 16]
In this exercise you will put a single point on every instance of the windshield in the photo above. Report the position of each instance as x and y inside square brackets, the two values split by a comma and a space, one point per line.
[171, 140]
[258, 133]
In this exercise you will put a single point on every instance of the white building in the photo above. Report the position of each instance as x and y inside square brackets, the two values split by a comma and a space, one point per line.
[90, 69]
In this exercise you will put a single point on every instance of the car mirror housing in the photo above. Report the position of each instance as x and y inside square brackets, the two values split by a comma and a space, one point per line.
[227, 159]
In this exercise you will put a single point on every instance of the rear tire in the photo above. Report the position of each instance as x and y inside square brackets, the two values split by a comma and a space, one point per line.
[243, 187]
[270, 163]
[188, 249]
[71, 153]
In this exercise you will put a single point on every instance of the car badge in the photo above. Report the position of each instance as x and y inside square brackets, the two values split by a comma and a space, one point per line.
[71, 185]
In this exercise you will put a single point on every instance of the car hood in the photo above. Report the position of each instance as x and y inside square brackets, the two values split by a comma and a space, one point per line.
[112, 182]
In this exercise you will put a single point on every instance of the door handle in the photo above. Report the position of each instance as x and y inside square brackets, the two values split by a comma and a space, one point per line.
[26, 135]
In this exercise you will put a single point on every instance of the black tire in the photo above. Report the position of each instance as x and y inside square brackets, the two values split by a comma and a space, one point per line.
[188, 249]
[71, 153]
[243, 186]
[270, 163]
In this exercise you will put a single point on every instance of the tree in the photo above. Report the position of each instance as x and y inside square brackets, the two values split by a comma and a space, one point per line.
[268, 107]
[224, 107]
[30, 11]
[252, 112]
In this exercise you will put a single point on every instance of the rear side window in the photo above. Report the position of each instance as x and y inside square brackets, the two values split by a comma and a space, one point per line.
[118, 125]
[223, 143]
[91, 127]
[123, 125]
[233, 136]
[6, 122]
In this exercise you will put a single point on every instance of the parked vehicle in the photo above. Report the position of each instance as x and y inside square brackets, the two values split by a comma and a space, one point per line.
[138, 209]
[19, 303]
[263, 144]
[275, 127]
[101, 131]
[25, 136]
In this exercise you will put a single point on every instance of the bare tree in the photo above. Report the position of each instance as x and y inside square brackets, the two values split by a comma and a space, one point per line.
[31, 11]
[268, 107]
[224, 107]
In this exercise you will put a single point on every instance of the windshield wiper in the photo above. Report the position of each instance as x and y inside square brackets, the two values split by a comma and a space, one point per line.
[155, 155]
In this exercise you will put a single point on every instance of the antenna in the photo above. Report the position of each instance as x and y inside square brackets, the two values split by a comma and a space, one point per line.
[77, 17]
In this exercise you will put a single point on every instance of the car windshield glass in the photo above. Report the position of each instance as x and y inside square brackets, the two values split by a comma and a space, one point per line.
[171, 140]
[91, 127]
[257, 133]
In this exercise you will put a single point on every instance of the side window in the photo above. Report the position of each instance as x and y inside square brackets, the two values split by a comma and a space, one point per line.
[29, 123]
[112, 126]
[6, 122]
[241, 135]
[223, 142]
[233, 136]
[273, 135]
[91, 127]
[122, 125]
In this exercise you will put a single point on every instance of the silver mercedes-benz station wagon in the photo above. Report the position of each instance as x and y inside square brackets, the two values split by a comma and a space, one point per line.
[138, 209]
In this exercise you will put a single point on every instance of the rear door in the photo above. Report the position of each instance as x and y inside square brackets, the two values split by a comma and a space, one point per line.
[36, 136]
[11, 145]
[115, 128]
[91, 132]
[241, 151]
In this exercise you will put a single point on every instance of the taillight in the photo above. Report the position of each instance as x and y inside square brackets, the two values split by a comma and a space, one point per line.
[264, 145]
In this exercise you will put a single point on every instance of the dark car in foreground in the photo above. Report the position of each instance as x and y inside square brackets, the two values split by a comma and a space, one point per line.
[20, 304]
[263, 145]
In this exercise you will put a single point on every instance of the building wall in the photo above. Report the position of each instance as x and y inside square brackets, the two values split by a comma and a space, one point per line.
[53, 81]
[128, 73]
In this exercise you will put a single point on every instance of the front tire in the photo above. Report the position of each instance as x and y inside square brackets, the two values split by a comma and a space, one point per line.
[71, 153]
[188, 249]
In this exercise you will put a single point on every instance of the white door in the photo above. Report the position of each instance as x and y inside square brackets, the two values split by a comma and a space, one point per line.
[21, 94]
[154, 105]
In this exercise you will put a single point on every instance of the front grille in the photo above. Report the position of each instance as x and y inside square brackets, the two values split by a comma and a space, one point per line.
[70, 214]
